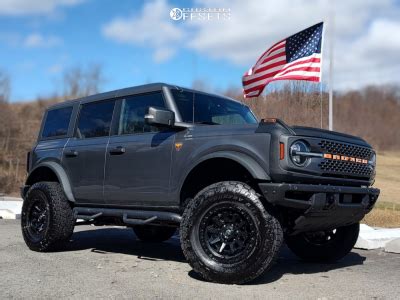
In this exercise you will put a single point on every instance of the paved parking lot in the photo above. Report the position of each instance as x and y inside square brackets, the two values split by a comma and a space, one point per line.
[108, 262]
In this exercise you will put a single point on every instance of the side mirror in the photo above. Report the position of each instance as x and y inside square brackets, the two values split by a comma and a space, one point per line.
[159, 116]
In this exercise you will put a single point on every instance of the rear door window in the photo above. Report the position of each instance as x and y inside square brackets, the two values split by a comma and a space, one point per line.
[57, 122]
[95, 119]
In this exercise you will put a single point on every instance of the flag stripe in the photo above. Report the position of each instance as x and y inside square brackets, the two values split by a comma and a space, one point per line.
[257, 79]
[260, 87]
[275, 72]
[269, 72]
[305, 68]
[283, 66]
[266, 53]
[279, 49]
[272, 63]
[275, 57]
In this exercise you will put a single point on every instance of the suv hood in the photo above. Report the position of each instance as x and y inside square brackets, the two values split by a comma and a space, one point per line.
[279, 127]
[333, 135]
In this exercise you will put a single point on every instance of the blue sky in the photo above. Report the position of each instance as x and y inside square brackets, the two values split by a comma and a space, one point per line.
[137, 42]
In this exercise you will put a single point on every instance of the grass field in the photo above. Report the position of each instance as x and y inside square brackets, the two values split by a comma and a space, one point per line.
[387, 210]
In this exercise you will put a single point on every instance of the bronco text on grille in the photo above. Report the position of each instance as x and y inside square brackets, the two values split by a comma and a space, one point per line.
[346, 160]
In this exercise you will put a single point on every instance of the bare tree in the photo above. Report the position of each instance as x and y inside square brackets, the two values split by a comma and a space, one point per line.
[4, 86]
[80, 82]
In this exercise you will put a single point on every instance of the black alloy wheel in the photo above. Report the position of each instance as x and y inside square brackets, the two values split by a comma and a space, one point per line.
[37, 217]
[227, 233]
[326, 245]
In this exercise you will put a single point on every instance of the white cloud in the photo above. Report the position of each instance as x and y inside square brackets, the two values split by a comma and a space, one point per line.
[152, 28]
[36, 40]
[32, 7]
[366, 39]
[372, 57]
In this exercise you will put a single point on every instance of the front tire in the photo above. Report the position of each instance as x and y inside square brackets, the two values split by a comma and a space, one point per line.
[47, 219]
[324, 246]
[227, 236]
[154, 234]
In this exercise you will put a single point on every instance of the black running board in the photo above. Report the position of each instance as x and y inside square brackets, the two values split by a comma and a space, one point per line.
[130, 217]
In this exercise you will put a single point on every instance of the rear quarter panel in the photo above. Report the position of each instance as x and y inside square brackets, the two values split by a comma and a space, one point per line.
[48, 150]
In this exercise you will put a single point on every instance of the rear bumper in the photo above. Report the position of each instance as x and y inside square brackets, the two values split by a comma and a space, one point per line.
[320, 207]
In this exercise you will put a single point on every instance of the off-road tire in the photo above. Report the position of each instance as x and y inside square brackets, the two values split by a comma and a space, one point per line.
[59, 223]
[340, 244]
[264, 241]
[153, 234]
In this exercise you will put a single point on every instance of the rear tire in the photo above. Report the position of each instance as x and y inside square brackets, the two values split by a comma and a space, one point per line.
[47, 219]
[324, 246]
[227, 235]
[154, 234]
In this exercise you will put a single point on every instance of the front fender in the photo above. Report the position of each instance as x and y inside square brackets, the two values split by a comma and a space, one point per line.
[249, 163]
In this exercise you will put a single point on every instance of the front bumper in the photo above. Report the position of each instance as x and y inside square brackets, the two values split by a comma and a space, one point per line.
[320, 207]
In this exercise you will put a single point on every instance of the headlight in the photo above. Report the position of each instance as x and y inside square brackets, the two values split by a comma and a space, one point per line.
[372, 160]
[296, 150]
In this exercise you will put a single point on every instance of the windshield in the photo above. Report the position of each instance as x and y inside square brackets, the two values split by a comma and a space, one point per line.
[206, 109]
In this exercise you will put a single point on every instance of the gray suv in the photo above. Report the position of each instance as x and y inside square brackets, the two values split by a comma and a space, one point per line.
[159, 157]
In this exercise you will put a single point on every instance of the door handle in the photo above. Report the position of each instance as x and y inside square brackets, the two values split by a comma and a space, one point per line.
[71, 153]
[117, 151]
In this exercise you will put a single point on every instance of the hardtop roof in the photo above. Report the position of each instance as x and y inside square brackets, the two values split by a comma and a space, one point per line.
[146, 88]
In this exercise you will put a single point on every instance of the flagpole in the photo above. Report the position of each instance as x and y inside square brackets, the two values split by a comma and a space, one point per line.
[320, 80]
[331, 37]
[321, 103]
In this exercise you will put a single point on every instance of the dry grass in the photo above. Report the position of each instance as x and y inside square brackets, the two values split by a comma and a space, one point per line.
[383, 218]
[388, 177]
[387, 210]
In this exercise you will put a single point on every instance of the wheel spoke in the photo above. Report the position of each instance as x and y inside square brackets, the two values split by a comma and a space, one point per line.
[215, 240]
[222, 247]
[38, 218]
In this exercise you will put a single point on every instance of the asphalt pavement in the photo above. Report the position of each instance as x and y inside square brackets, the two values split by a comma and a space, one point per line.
[109, 262]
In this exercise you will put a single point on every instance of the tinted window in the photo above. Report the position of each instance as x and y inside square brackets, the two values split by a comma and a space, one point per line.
[208, 109]
[95, 119]
[133, 110]
[57, 121]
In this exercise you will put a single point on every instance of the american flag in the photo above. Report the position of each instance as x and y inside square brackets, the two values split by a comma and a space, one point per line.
[298, 57]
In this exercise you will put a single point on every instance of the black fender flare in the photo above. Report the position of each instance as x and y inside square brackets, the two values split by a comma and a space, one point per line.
[249, 163]
[61, 175]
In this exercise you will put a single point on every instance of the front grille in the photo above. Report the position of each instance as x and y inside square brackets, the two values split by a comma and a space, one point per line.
[345, 149]
[345, 168]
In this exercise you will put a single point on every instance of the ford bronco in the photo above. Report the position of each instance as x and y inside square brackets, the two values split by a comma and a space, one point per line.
[159, 157]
